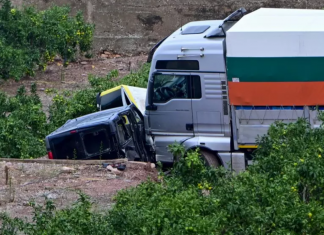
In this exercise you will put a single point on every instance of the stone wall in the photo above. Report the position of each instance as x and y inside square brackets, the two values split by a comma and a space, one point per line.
[134, 26]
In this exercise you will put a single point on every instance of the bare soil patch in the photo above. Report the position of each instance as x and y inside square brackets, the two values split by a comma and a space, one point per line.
[35, 182]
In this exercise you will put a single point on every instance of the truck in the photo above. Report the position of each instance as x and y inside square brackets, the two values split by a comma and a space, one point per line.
[218, 85]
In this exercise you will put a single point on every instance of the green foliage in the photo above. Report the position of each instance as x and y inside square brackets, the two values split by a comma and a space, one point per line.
[299, 148]
[177, 150]
[22, 125]
[69, 106]
[31, 38]
[139, 78]
[281, 194]
[47, 220]
[189, 164]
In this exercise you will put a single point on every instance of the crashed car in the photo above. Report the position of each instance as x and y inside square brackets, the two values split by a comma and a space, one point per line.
[108, 134]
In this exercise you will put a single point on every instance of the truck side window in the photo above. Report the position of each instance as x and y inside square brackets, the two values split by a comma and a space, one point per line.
[167, 87]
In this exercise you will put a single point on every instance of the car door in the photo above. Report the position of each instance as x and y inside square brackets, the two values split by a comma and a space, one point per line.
[137, 121]
[131, 134]
[125, 137]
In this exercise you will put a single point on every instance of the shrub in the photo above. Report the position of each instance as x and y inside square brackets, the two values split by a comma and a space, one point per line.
[23, 125]
[68, 106]
[137, 79]
[31, 38]
[281, 194]
[47, 220]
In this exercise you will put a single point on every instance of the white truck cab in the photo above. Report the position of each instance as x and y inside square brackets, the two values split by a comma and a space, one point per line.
[187, 96]
[189, 99]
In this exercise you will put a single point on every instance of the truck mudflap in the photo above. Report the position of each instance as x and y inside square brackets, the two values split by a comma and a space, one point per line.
[235, 161]
[238, 162]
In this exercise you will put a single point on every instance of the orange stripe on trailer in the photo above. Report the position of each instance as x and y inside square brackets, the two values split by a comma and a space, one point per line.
[276, 93]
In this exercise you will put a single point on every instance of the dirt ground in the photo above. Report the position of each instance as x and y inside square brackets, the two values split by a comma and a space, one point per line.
[35, 181]
[73, 77]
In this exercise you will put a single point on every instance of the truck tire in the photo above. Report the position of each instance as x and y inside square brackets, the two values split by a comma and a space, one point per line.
[210, 159]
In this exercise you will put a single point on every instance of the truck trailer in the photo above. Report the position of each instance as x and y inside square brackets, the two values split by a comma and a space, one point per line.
[220, 84]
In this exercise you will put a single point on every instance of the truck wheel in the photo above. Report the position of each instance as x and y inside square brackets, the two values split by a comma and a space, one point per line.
[209, 158]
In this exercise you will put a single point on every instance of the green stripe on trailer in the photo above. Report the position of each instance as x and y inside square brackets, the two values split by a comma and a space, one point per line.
[283, 69]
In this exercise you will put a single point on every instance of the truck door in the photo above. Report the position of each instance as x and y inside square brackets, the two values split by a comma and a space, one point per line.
[169, 111]
[172, 101]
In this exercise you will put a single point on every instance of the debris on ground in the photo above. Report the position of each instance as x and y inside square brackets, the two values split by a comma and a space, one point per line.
[114, 170]
[119, 166]
[66, 169]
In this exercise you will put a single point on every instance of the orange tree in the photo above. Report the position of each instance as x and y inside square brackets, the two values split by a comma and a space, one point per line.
[23, 125]
[30, 38]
